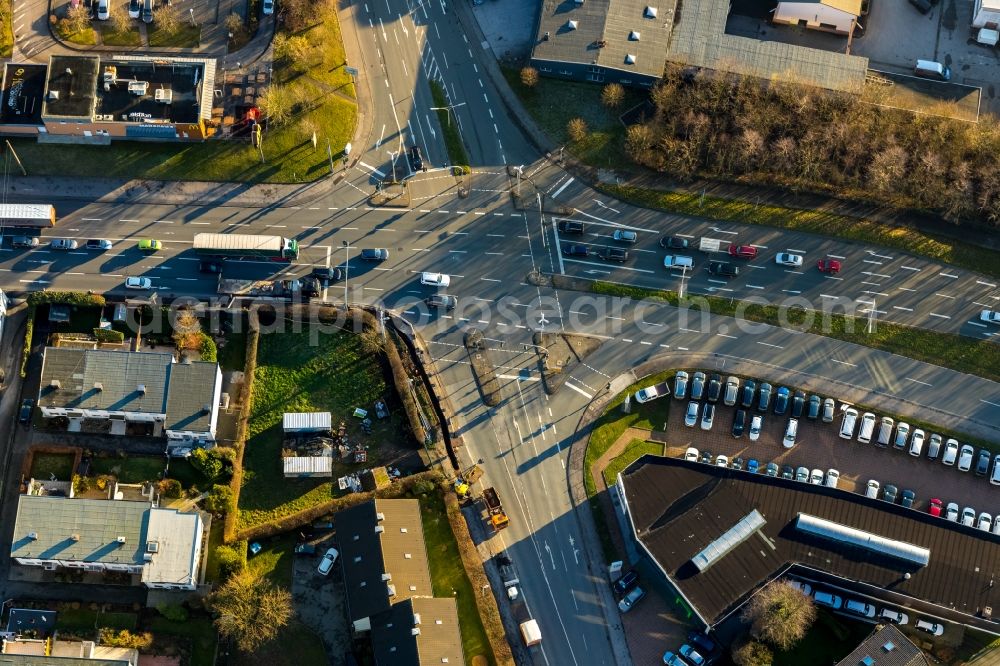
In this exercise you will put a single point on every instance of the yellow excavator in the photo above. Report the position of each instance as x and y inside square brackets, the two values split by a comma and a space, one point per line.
[463, 484]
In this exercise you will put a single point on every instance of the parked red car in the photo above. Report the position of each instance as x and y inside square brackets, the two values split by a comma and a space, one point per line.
[935, 507]
[831, 266]
[742, 251]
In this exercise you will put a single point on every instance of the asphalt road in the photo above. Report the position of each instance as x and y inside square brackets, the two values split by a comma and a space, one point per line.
[487, 248]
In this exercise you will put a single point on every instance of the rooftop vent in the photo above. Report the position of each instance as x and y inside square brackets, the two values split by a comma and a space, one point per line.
[387, 576]
[416, 618]
[380, 516]
[444, 660]
[629, 59]
[571, 25]
[379, 529]
[33, 536]
[357, 558]
[206, 408]
[356, 537]
[120, 539]
[53, 95]
[75, 537]
[55, 385]
[391, 589]
[98, 386]
[141, 388]
[402, 530]
[650, 12]
[867, 661]
[889, 646]
[633, 36]
[69, 72]
[407, 556]
[415, 631]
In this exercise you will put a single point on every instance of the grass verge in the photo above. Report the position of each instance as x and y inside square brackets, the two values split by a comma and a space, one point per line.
[215, 539]
[83, 620]
[294, 374]
[186, 36]
[828, 640]
[6, 30]
[132, 469]
[110, 37]
[233, 354]
[820, 222]
[963, 354]
[85, 37]
[634, 450]
[274, 561]
[197, 630]
[46, 466]
[452, 137]
[448, 577]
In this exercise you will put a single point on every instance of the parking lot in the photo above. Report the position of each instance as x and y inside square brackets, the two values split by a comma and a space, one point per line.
[818, 446]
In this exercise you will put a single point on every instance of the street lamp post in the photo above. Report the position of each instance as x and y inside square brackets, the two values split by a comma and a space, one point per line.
[392, 156]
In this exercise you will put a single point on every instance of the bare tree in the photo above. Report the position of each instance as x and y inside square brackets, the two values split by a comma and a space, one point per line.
[613, 95]
[577, 129]
[638, 141]
[780, 614]
[750, 147]
[167, 18]
[121, 22]
[276, 104]
[78, 18]
[295, 50]
[886, 169]
[250, 610]
[753, 653]
[529, 77]
[235, 26]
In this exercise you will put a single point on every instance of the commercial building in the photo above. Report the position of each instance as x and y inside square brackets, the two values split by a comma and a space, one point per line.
[720, 534]
[89, 99]
[160, 548]
[836, 16]
[886, 646]
[145, 393]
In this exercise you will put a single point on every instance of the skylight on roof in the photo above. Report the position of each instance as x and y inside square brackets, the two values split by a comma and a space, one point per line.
[650, 12]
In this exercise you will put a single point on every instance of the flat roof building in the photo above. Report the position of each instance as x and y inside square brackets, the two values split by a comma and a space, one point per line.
[420, 630]
[677, 509]
[23, 95]
[886, 646]
[160, 546]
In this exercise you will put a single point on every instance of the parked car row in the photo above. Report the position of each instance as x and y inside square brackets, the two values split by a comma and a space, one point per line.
[727, 269]
[866, 609]
[697, 651]
[964, 457]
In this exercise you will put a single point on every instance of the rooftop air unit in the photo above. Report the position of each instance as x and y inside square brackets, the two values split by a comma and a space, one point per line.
[98, 386]
[141, 389]
[120, 539]
[33, 536]
[55, 385]
[379, 529]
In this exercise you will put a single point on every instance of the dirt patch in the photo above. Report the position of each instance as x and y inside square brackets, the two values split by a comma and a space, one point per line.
[559, 353]
[482, 368]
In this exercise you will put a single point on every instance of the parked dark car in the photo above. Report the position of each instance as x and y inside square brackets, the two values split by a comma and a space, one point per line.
[908, 498]
[27, 405]
[569, 227]
[723, 269]
[787, 472]
[574, 250]
[781, 401]
[749, 391]
[706, 457]
[416, 160]
[311, 287]
[889, 493]
[764, 397]
[328, 274]
[983, 463]
[697, 385]
[374, 254]
[798, 404]
[739, 422]
[305, 549]
[705, 645]
[616, 254]
[815, 403]
[714, 388]
[626, 582]
[674, 243]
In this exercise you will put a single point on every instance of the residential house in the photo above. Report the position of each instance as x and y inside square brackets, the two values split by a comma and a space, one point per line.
[161, 548]
[886, 646]
[986, 14]
[19, 651]
[148, 391]
[420, 630]
[836, 16]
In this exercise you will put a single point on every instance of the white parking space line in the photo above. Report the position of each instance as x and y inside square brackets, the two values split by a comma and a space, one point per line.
[976, 323]
[794, 251]
[948, 275]
[985, 284]
[836, 256]
[916, 381]
[768, 344]
[723, 335]
[853, 365]
[989, 403]
[911, 268]
[831, 277]
[905, 289]
[880, 256]
[941, 316]
[900, 307]
[872, 261]
[944, 295]
[870, 274]
[836, 298]
[874, 284]
[753, 286]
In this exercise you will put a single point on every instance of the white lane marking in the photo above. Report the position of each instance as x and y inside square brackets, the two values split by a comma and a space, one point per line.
[948, 275]
[606, 267]
[911, 268]
[559, 191]
[579, 390]
[989, 403]
[944, 295]
[916, 381]
[941, 316]
[372, 169]
[768, 344]
[853, 365]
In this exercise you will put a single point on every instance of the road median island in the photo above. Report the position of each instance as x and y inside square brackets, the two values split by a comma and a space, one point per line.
[482, 368]
[559, 354]
[956, 352]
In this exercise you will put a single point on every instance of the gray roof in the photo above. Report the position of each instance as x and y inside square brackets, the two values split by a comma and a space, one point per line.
[37, 660]
[439, 640]
[177, 537]
[190, 391]
[120, 373]
[79, 530]
[367, 554]
[623, 26]
[74, 79]
[699, 39]
[886, 646]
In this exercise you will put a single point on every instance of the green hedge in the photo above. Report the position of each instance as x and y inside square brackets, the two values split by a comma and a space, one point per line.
[108, 335]
[29, 330]
[66, 298]
[209, 350]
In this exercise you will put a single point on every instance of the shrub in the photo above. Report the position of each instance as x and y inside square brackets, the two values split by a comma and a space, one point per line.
[576, 129]
[108, 335]
[219, 500]
[174, 612]
[28, 332]
[215, 464]
[81, 484]
[529, 77]
[232, 558]
[208, 349]
[423, 487]
[170, 488]
[66, 298]
[126, 639]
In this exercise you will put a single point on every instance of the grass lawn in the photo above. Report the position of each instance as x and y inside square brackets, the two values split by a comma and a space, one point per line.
[184, 472]
[633, 451]
[829, 640]
[198, 630]
[45, 466]
[82, 620]
[232, 356]
[133, 469]
[187, 36]
[85, 37]
[964, 354]
[293, 375]
[553, 103]
[81, 320]
[274, 561]
[448, 576]
[215, 534]
[6, 32]
[295, 645]
[452, 137]
[109, 37]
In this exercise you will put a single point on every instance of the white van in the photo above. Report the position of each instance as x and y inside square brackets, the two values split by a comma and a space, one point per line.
[930, 69]
[885, 432]
[867, 428]
[847, 425]
[791, 430]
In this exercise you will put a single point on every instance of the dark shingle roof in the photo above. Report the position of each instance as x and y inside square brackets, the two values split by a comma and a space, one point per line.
[438, 640]
[886, 646]
[119, 373]
[191, 396]
[678, 508]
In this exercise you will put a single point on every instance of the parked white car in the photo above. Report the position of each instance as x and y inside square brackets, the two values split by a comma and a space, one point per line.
[691, 454]
[435, 279]
[965, 458]
[871, 490]
[138, 283]
[832, 477]
[755, 425]
[691, 415]
[326, 564]
[787, 259]
[968, 516]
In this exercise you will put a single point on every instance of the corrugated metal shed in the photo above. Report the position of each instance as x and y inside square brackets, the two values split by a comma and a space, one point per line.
[308, 466]
[306, 421]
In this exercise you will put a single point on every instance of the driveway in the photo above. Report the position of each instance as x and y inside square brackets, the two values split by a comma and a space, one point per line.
[320, 601]
[819, 446]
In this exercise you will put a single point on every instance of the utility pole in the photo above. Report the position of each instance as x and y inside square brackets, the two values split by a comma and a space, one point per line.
[16, 158]
[517, 186]
[871, 317]
[347, 271]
